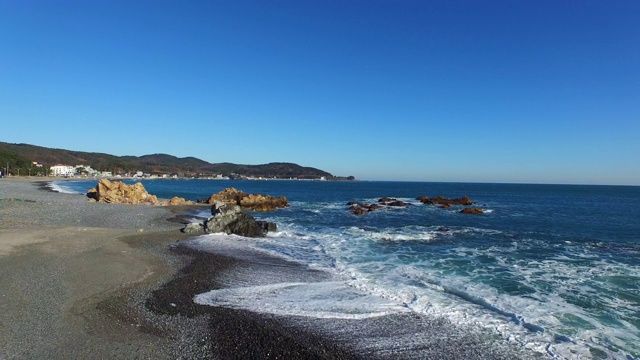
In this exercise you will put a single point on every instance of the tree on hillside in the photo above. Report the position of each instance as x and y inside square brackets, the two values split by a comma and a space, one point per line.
[10, 161]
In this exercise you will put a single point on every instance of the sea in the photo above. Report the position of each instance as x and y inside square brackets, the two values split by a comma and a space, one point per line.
[552, 268]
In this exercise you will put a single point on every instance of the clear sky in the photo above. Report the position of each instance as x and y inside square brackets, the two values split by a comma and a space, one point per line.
[479, 91]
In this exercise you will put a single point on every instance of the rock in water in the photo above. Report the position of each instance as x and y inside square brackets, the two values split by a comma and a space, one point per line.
[440, 200]
[255, 202]
[267, 226]
[472, 211]
[228, 196]
[398, 203]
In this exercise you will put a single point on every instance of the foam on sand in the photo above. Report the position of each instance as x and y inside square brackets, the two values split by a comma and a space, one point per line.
[323, 300]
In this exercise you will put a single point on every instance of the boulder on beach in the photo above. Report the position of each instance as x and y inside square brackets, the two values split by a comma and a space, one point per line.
[117, 192]
[231, 219]
[193, 227]
[255, 202]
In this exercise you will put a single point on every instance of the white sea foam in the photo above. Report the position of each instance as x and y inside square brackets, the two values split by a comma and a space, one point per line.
[537, 321]
[327, 300]
[62, 187]
[545, 320]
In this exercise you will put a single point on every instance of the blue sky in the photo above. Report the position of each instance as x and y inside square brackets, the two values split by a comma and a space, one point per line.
[479, 91]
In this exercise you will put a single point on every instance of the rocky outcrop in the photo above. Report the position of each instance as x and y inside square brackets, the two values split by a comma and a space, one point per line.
[398, 203]
[230, 219]
[229, 196]
[255, 202]
[363, 208]
[117, 192]
[193, 227]
[440, 200]
[384, 202]
[267, 226]
[472, 211]
[358, 209]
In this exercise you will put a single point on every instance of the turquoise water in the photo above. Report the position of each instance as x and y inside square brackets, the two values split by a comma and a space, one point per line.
[554, 268]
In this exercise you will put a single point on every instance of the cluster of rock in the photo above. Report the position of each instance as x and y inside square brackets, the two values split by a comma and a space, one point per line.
[363, 208]
[255, 202]
[443, 202]
[230, 219]
[117, 192]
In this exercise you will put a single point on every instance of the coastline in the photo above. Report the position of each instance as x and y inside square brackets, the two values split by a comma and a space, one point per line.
[101, 280]
[72, 283]
[72, 289]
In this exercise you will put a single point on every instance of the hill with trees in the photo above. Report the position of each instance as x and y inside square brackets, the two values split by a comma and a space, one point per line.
[22, 156]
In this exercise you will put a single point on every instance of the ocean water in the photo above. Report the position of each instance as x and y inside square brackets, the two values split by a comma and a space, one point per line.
[552, 268]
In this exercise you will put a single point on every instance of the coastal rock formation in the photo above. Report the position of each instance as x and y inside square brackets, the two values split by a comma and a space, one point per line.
[228, 195]
[117, 192]
[255, 202]
[193, 227]
[398, 203]
[440, 200]
[267, 226]
[259, 202]
[363, 208]
[230, 219]
[358, 209]
[384, 202]
[472, 211]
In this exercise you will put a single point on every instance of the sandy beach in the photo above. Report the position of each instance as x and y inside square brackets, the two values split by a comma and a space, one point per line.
[87, 280]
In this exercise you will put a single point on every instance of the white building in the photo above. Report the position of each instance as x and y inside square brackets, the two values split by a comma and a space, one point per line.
[86, 169]
[62, 170]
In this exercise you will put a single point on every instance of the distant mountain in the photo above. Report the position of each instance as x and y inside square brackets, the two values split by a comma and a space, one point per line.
[22, 156]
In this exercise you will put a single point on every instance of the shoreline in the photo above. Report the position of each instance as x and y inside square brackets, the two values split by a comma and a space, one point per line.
[84, 292]
[103, 280]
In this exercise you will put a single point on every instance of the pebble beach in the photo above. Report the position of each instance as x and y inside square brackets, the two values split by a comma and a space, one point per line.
[76, 279]
[89, 280]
